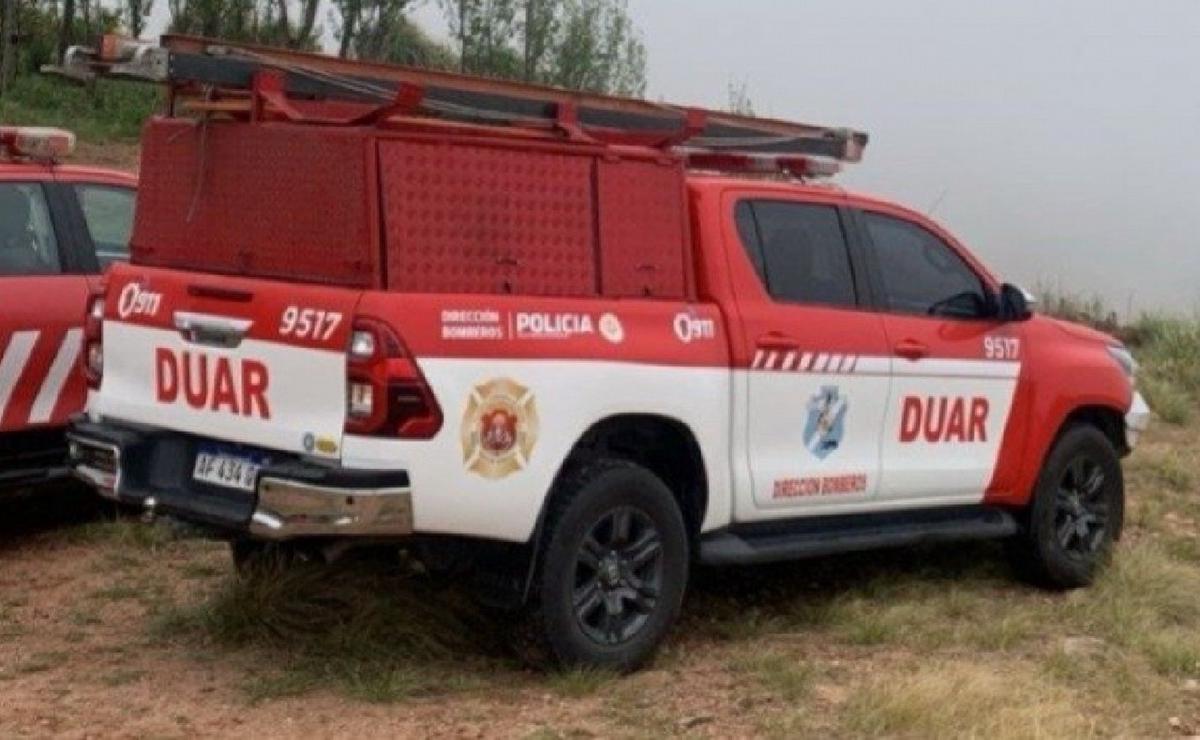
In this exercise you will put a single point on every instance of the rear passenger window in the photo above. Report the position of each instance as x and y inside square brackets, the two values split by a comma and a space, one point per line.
[799, 250]
[108, 212]
[27, 243]
[748, 231]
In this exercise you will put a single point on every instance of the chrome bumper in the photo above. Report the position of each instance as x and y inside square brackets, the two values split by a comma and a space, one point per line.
[292, 498]
[288, 508]
[97, 464]
[1136, 420]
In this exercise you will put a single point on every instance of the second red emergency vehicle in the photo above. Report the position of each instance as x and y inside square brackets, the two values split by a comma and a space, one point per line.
[60, 225]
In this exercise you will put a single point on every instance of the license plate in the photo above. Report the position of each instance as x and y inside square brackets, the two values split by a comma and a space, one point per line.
[226, 470]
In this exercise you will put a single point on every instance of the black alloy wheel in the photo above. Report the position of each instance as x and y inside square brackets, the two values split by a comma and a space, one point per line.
[1076, 514]
[618, 575]
[613, 566]
[1081, 508]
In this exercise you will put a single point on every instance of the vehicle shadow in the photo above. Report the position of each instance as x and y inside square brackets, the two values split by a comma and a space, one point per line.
[730, 601]
[32, 512]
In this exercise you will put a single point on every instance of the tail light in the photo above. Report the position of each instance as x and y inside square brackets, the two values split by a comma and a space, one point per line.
[93, 347]
[386, 393]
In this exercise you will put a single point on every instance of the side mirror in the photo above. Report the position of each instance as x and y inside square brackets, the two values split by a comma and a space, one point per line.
[1015, 303]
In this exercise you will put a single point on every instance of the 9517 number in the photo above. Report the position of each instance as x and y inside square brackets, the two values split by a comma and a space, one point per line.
[1002, 348]
[308, 323]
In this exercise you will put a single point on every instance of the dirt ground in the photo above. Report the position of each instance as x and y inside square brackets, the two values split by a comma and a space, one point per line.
[113, 628]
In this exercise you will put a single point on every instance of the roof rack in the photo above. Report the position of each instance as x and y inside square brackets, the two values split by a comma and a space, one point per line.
[245, 79]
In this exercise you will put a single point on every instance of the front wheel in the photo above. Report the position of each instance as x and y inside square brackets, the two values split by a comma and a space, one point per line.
[1077, 512]
[614, 568]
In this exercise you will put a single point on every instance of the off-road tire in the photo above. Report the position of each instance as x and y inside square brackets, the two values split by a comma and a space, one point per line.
[1038, 552]
[587, 500]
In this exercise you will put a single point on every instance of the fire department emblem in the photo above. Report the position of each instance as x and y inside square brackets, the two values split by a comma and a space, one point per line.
[826, 421]
[499, 428]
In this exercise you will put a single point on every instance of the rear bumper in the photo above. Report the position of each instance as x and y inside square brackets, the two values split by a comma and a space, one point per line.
[1137, 419]
[292, 498]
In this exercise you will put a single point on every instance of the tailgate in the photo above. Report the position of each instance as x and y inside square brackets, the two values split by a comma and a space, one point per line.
[243, 360]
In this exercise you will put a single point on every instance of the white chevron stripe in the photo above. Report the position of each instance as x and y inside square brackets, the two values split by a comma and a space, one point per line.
[64, 363]
[788, 360]
[805, 362]
[820, 363]
[769, 363]
[835, 362]
[756, 363]
[15, 356]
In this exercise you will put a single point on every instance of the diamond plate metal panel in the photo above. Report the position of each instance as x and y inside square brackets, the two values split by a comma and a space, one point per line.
[466, 218]
[272, 200]
[641, 229]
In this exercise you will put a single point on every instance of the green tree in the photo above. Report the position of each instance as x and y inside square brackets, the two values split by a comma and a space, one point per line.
[136, 13]
[385, 33]
[539, 27]
[262, 21]
[485, 30]
[598, 49]
[580, 44]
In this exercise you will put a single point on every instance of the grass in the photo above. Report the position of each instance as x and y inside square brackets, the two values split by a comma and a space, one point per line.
[113, 111]
[1171, 470]
[786, 676]
[965, 699]
[1167, 347]
[374, 631]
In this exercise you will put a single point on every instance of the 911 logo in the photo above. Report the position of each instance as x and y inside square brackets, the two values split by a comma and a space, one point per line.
[690, 328]
[135, 300]
[499, 428]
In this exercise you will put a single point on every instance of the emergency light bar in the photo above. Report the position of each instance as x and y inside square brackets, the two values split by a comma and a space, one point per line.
[213, 77]
[762, 164]
[36, 142]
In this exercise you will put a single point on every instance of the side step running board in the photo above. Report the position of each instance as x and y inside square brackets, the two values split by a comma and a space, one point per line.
[815, 536]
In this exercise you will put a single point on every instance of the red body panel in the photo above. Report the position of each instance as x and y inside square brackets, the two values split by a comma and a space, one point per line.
[35, 329]
[270, 200]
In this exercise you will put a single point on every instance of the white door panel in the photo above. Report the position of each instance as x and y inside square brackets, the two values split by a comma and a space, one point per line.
[814, 436]
[944, 427]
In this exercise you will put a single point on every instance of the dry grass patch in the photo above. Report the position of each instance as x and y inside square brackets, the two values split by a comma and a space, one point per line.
[961, 699]
[787, 676]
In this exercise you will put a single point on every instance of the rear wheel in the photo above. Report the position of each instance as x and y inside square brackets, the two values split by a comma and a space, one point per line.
[1077, 512]
[614, 567]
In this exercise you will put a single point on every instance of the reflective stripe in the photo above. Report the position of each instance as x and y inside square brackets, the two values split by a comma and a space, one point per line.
[64, 362]
[16, 355]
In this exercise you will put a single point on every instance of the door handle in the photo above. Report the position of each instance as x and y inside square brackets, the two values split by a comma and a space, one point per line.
[215, 331]
[776, 340]
[912, 349]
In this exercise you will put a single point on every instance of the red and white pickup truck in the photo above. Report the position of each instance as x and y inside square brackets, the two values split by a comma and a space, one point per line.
[578, 363]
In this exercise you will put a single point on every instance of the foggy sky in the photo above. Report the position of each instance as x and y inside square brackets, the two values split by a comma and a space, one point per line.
[1058, 138]
[1063, 134]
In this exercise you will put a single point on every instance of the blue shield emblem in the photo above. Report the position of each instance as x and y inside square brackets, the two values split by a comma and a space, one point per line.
[826, 421]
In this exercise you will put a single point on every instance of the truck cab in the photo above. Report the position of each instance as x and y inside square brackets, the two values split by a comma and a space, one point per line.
[579, 358]
[60, 226]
